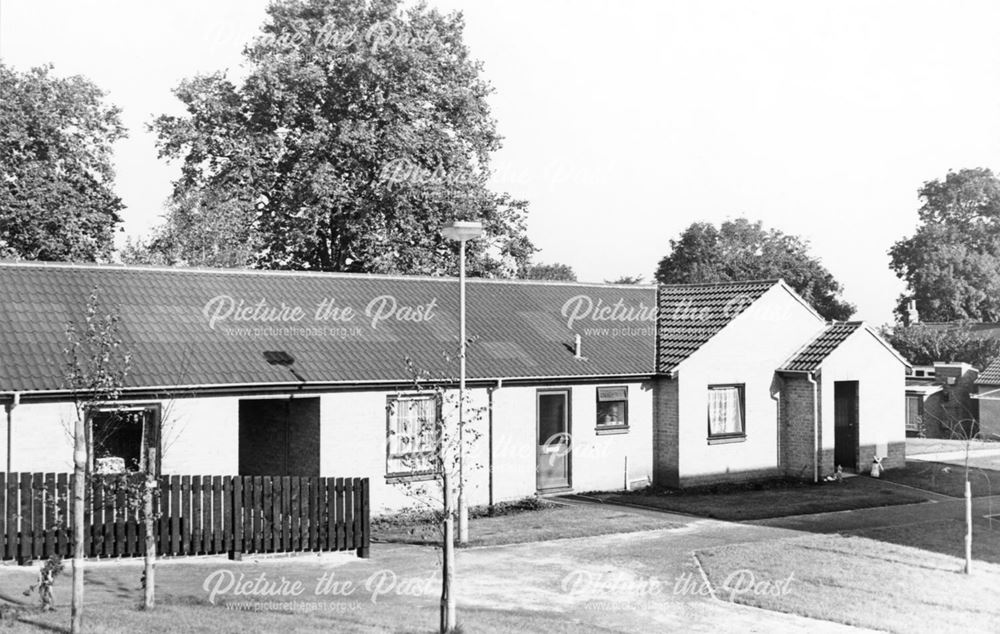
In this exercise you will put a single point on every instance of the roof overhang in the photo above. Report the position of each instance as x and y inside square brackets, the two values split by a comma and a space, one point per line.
[923, 390]
[166, 392]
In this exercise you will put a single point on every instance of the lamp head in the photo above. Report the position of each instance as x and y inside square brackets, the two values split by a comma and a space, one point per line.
[462, 230]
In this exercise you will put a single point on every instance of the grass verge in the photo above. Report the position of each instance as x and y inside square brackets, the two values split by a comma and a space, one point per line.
[946, 537]
[528, 520]
[859, 582]
[770, 498]
[944, 478]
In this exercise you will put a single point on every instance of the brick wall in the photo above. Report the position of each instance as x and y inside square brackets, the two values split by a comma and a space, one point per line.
[797, 430]
[666, 455]
[895, 459]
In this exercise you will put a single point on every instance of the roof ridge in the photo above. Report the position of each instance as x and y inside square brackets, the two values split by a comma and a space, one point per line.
[730, 283]
[160, 268]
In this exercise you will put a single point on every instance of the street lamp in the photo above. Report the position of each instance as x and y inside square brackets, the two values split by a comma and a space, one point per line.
[462, 231]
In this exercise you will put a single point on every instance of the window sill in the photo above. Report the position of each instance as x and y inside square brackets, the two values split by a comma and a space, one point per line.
[610, 430]
[399, 478]
[725, 440]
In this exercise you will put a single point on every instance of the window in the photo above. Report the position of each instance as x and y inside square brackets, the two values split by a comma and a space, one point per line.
[122, 438]
[914, 413]
[726, 419]
[612, 408]
[412, 426]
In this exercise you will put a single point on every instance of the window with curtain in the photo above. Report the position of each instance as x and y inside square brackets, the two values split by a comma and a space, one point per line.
[412, 422]
[725, 411]
[612, 407]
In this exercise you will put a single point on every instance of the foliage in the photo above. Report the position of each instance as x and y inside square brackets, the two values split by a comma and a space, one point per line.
[924, 345]
[56, 176]
[743, 250]
[625, 279]
[362, 127]
[46, 579]
[199, 231]
[950, 264]
[96, 360]
[554, 271]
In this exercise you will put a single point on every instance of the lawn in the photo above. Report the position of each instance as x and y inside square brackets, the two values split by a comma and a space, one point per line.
[774, 498]
[859, 582]
[949, 479]
[945, 536]
[529, 520]
[211, 619]
[916, 446]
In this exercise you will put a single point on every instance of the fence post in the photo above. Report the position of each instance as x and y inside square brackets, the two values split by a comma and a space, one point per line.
[364, 521]
[236, 553]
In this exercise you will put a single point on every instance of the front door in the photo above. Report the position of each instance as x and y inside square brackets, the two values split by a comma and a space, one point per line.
[845, 424]
[554, 443]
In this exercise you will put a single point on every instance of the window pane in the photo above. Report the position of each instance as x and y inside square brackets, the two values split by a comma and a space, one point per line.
[725, 412]
[611, 413]
[551, 416]
[412, 434]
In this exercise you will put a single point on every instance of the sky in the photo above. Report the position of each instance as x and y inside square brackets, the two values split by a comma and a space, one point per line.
[627, 120]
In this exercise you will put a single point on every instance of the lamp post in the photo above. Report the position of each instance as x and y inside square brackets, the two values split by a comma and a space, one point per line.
[461, 232]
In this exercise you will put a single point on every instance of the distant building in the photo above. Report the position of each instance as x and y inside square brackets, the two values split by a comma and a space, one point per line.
[939, 401]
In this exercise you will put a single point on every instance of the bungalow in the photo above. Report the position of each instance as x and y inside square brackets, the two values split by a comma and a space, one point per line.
[988, 397]
[574, 387]
[785, 392]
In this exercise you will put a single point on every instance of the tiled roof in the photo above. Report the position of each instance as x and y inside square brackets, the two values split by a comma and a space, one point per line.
[691, 314]
[517, 329]
[811, 357]
[991, 375]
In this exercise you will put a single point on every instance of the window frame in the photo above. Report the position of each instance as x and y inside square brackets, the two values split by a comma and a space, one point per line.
[155, 411]
[720, 439]
[390, 413]
[610, 428]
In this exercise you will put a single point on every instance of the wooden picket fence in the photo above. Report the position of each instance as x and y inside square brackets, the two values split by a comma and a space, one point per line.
[193, 515]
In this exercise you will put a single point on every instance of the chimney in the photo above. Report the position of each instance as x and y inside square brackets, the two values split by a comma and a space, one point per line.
[912, 316]
[578, 347]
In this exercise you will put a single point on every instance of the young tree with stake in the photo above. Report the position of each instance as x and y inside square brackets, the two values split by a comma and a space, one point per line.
[96, 367]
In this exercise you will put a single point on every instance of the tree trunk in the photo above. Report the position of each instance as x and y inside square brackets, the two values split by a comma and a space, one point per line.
[150, 561]
[968, 526]
[79, 486]
[448, 567]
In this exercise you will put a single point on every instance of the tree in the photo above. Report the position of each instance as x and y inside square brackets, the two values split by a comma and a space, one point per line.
[625, 279]
[924, 345]
[950, 263]
[56, 177]
[554, 271]
[437, 445]
[743, 250]
[96, 368]
[361, 128]
[199, 231]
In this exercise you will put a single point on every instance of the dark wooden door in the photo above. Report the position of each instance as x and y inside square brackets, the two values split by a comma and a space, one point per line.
[279, 437]
[845, 424]
[554, 443]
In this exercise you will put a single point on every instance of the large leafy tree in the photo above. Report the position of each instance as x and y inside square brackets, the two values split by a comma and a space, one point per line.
[924, 345]
[57, 200]
[361, 128]
[952, 263]
[743, 250]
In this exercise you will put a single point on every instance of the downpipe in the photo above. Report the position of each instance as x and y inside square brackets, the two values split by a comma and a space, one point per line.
[815, 386]
[15, 401]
